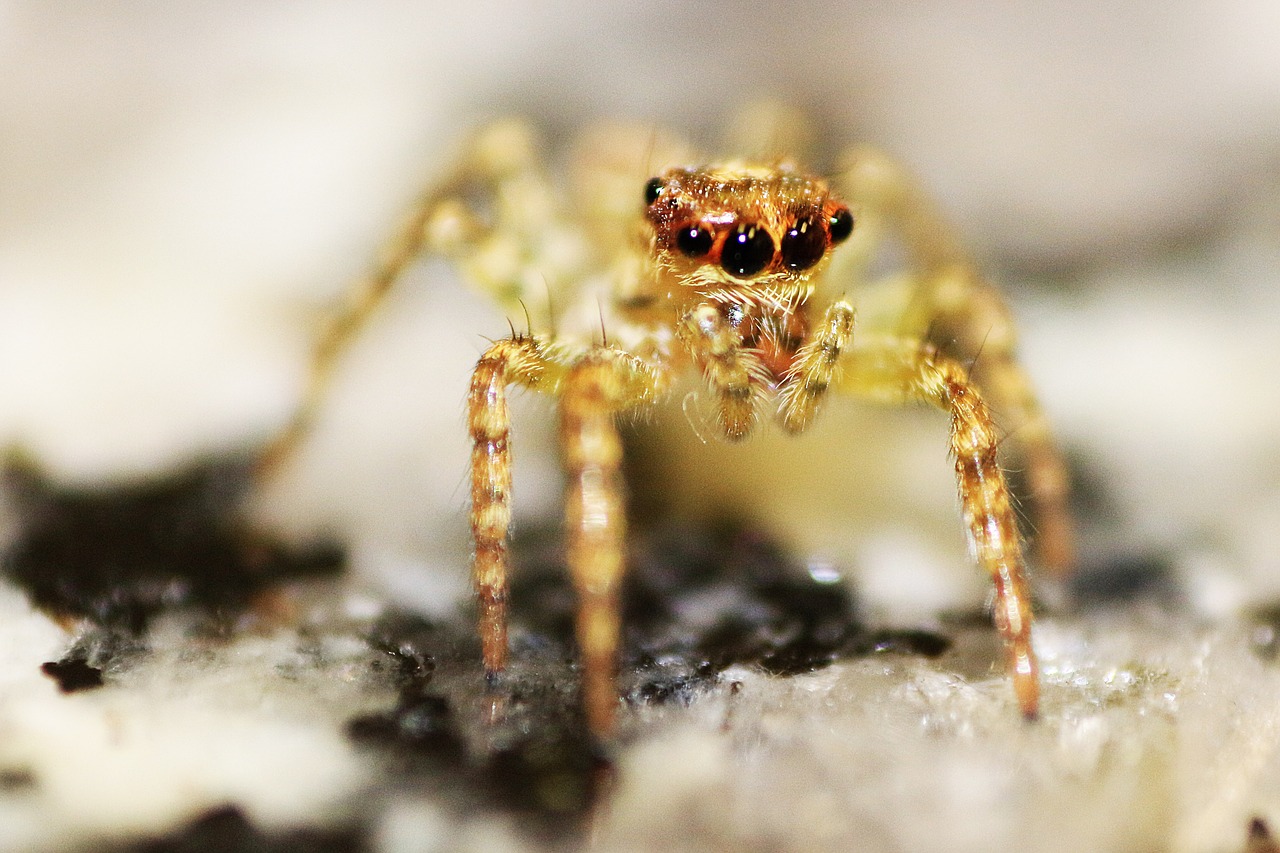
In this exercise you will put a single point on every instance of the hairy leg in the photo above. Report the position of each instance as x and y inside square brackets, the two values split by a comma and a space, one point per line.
[595, 388]
[592, 386]
[816, 366]
[898, 371]
[734, 373]
[955, 307]
[494, 215]
[979, 330]
[521, 361]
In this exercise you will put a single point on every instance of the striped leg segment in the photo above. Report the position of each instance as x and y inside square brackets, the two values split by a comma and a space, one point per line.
[897, 371]
[595, 518]
[592, 387]
[956, 308]
[816, 367]
[734, 374]
[516, 360]
[972, 322]
[988, 514]
[600, 384]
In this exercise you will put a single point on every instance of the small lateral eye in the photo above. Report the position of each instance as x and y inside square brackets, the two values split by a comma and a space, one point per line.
[653, 189]
[748, 250]
[840, 225]
[694, 241]
[803, 244]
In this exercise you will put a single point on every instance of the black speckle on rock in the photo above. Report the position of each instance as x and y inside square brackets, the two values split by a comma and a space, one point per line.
[518, 744]
[16, 780]
[227, 830]
[1258, 837]
[906, 641]
[120, 554]
[73, 674]
[1265, 635]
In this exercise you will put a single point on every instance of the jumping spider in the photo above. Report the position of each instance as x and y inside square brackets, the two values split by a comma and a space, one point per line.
[750, 271]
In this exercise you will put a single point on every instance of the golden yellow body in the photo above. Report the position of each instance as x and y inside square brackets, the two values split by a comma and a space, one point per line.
[647, 262]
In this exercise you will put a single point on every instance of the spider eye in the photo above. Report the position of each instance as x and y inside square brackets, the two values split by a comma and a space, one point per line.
[840, 225]
[653, 189]
[803, 244]
[694, 241]
[748, 250]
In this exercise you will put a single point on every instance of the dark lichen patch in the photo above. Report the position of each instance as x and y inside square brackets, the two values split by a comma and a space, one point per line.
[905, 641]
[1259, 838]
[423, 723]
[1124, 578]
[725, 595]
[16, 780]
[227, 830]
[73, 674]
[120, 554]
[517, 744]
[696, 601]
[1264, 638]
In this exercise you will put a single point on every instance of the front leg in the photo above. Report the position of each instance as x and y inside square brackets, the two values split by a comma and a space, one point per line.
[599, 385]
[515, 247]
[953, 305]
[593, 387]
[520, 361]
[816, 367]
[736, 375]
[897, 370]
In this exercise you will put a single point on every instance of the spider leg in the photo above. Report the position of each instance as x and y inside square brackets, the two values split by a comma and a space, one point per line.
[361, 300]
[899, 370]
[980, 325]
[735, 374]
[496, 190]
[512, 361]
[595, 388]
[816, 366]
[952, 305]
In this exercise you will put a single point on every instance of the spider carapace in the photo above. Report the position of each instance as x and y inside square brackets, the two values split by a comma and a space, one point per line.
[744, 240]
[749, 272]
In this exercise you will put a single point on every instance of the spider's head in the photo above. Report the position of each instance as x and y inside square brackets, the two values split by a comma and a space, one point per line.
[742, 225]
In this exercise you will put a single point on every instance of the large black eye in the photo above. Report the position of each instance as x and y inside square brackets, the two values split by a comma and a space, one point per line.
[694, 241]
[748, 250]
[803, 244]
[840, 225]
[653, 189]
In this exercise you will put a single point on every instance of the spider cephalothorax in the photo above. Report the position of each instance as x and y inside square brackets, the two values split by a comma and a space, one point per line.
[735, 248]
[737, 223]
[724, 279]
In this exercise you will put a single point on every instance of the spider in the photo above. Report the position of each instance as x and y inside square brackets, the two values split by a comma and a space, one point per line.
[651, 264]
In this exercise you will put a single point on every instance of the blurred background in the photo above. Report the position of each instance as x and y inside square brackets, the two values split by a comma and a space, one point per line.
[185, 189]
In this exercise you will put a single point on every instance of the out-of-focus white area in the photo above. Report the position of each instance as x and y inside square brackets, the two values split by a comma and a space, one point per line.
[187, 726]
[1172, 390]
[184, 188]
